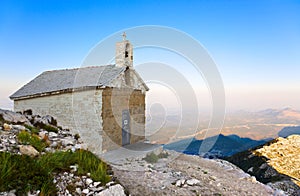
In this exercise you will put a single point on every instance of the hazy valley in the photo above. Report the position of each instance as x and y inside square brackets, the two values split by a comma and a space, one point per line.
[254, 125]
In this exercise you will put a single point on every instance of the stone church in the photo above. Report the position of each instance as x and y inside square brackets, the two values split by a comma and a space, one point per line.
[105, 105]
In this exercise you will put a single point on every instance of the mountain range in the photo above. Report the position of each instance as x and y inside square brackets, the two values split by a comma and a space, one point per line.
[224, 146]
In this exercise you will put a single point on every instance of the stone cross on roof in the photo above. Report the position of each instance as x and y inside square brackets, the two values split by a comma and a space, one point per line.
[124, 36]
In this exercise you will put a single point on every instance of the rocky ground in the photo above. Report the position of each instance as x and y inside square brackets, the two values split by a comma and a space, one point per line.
[171, 174]
[58, 139]
[180, 174]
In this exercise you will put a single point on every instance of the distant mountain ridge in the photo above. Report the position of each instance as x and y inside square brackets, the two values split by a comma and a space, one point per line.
[287, 131]
[224, 146]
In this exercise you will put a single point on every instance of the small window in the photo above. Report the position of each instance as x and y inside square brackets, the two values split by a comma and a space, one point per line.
[126, 54]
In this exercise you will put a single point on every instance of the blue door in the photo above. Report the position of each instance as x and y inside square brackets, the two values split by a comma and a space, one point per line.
[125, 127]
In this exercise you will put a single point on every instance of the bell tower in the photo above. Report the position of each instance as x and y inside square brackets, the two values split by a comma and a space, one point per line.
[124, 53]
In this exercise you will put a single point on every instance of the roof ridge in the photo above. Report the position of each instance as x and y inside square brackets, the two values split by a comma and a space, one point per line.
[77, 68]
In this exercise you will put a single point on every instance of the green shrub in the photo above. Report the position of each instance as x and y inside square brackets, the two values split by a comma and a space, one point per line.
[24, 137]
[32, 129]
[163, 155]
[76, 136]
[151, 158]
[50, 128]
[31, 139]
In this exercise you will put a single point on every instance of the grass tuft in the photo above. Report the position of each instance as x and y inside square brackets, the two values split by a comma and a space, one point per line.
[14, 172]
[88, 162]
[32, 129]
[23, 174]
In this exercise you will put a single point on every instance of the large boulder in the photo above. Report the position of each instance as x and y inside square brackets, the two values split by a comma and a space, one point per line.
[13, 117]
[113, 191]
[28, 150]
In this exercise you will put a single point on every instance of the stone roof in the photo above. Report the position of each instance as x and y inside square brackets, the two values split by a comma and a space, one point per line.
[68, 80]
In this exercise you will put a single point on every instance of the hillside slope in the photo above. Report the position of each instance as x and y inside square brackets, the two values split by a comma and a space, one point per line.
[277, 163]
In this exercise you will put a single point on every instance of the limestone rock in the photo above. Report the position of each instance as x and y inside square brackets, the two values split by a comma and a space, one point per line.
[49, 120]
[54, 144]
[7, 127]
[78, 190]
[85, 191]
[67, 141]
[115, 190]
[42, 134]
[52, 134]
[28, 150]
[13, 117]
[109, 183]
[250, 170]
[193, 182]
[95, 184]
[19, 127]
[253, 179]
[180, 183]
[88, 181]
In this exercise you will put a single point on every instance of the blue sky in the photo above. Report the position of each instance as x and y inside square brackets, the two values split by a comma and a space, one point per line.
[256, 44]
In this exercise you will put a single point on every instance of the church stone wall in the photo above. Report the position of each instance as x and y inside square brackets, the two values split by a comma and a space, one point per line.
[95, 114]
[114, 102]
[78, 111]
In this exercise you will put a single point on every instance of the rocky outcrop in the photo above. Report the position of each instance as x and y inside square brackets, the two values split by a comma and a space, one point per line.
[55, 139]
[12, 117]
[277, 164]
[283, 155]
[62, 140]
